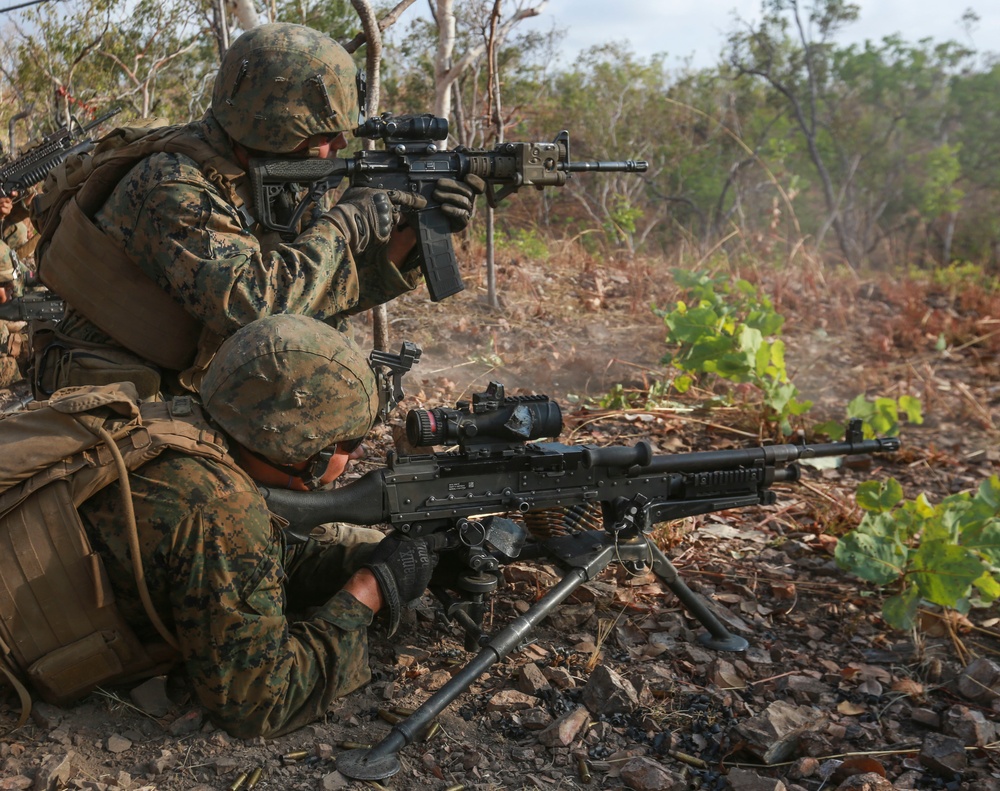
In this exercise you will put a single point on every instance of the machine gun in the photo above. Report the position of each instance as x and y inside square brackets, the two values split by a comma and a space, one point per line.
[579, 506]
[412, 162]
[34, 165]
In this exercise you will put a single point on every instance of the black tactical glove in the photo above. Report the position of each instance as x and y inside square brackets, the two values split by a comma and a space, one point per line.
[403, 569]
[367, 216]
[458, 199]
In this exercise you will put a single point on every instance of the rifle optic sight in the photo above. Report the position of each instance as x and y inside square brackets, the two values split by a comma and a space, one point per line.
[491, 417]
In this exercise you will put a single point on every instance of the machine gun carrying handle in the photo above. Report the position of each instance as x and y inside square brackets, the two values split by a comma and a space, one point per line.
[640, 454]
[436, 254]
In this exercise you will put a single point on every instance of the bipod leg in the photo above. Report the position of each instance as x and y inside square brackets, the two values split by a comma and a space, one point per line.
[718, 636]
[382, 760]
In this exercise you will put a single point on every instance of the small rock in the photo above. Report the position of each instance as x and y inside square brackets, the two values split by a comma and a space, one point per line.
[45, 715]
[511, 700]
[980, 681]
[166, 761]
[187, 723]
[969, 725]
[569, 617]
[118, 744]
[54, 772]
[645, 774]
[724, 675]
[804, 767]
[435, 680]
[16, 783]
[409, 656]
[151, 696]
[871, 781]
[774, 733]
[943, 755]
[745, 780]
[926, 717]
[333, 782]
[559, 677]
[607, 692]
[535, 719]
[564, 730]
[805, 689]
[531, 681]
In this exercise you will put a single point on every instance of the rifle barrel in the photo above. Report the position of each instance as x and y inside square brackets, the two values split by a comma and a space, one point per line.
[606, 166]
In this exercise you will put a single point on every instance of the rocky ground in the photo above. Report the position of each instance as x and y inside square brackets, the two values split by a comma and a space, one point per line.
[615, 691]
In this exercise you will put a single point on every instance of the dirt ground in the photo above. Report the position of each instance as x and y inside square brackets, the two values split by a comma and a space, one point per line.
[613, 691]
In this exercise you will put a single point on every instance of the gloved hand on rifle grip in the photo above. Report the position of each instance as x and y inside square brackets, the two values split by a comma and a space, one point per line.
[367, 216]
[458, 199]
[403, 570]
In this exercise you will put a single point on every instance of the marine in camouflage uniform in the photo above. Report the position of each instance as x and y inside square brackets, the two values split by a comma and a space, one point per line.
[282, 91]
[218, 571]
[11, 332]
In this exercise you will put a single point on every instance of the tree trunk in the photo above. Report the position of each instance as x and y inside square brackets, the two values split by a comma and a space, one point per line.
[373, 56]
[443, 77]
[244, 13]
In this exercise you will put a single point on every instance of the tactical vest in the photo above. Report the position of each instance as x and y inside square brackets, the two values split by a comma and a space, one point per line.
[77, 260]
[60, 630]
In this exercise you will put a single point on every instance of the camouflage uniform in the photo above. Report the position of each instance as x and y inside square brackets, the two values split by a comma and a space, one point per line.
[10, 332]
[217, 570]
[220, 577]
[178, 227]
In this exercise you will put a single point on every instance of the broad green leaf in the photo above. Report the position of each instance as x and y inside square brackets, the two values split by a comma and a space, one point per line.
[944, 572]
[988, 587]
[913, 409]
[900, 611]
[871, 556]
[683, 383]
[879, 496]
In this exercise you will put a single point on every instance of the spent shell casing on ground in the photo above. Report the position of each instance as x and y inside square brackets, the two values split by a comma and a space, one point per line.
[389, 717]
[584, 769]
[402, 711]
[237, 784]
[432, 731]
[254, 777]
[353, 746]
[297, 755]
[458, 787]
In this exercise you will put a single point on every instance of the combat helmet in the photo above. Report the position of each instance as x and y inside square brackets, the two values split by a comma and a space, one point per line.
[286, 387]
[280, 84]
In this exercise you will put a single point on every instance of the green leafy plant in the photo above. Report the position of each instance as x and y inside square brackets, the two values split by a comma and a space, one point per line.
[945, 554]
[728, 328]
[525, 242]
[881, 417]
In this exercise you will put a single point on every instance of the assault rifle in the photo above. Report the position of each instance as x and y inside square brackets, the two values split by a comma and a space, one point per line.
[33, 306]
[412, 162]
[34, 165]
[581, 507]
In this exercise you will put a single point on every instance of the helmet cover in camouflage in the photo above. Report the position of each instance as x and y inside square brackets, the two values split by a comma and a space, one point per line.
[280, 84]
[288, 386]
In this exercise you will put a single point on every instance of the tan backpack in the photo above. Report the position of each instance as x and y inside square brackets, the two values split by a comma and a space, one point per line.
[60, 630]
[77, 260]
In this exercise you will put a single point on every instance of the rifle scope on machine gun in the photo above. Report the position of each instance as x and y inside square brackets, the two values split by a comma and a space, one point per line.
[580, 507]
[34, 165]
[412, 162]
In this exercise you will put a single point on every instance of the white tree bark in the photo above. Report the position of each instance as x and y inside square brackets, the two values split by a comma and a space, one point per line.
[244, 12]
